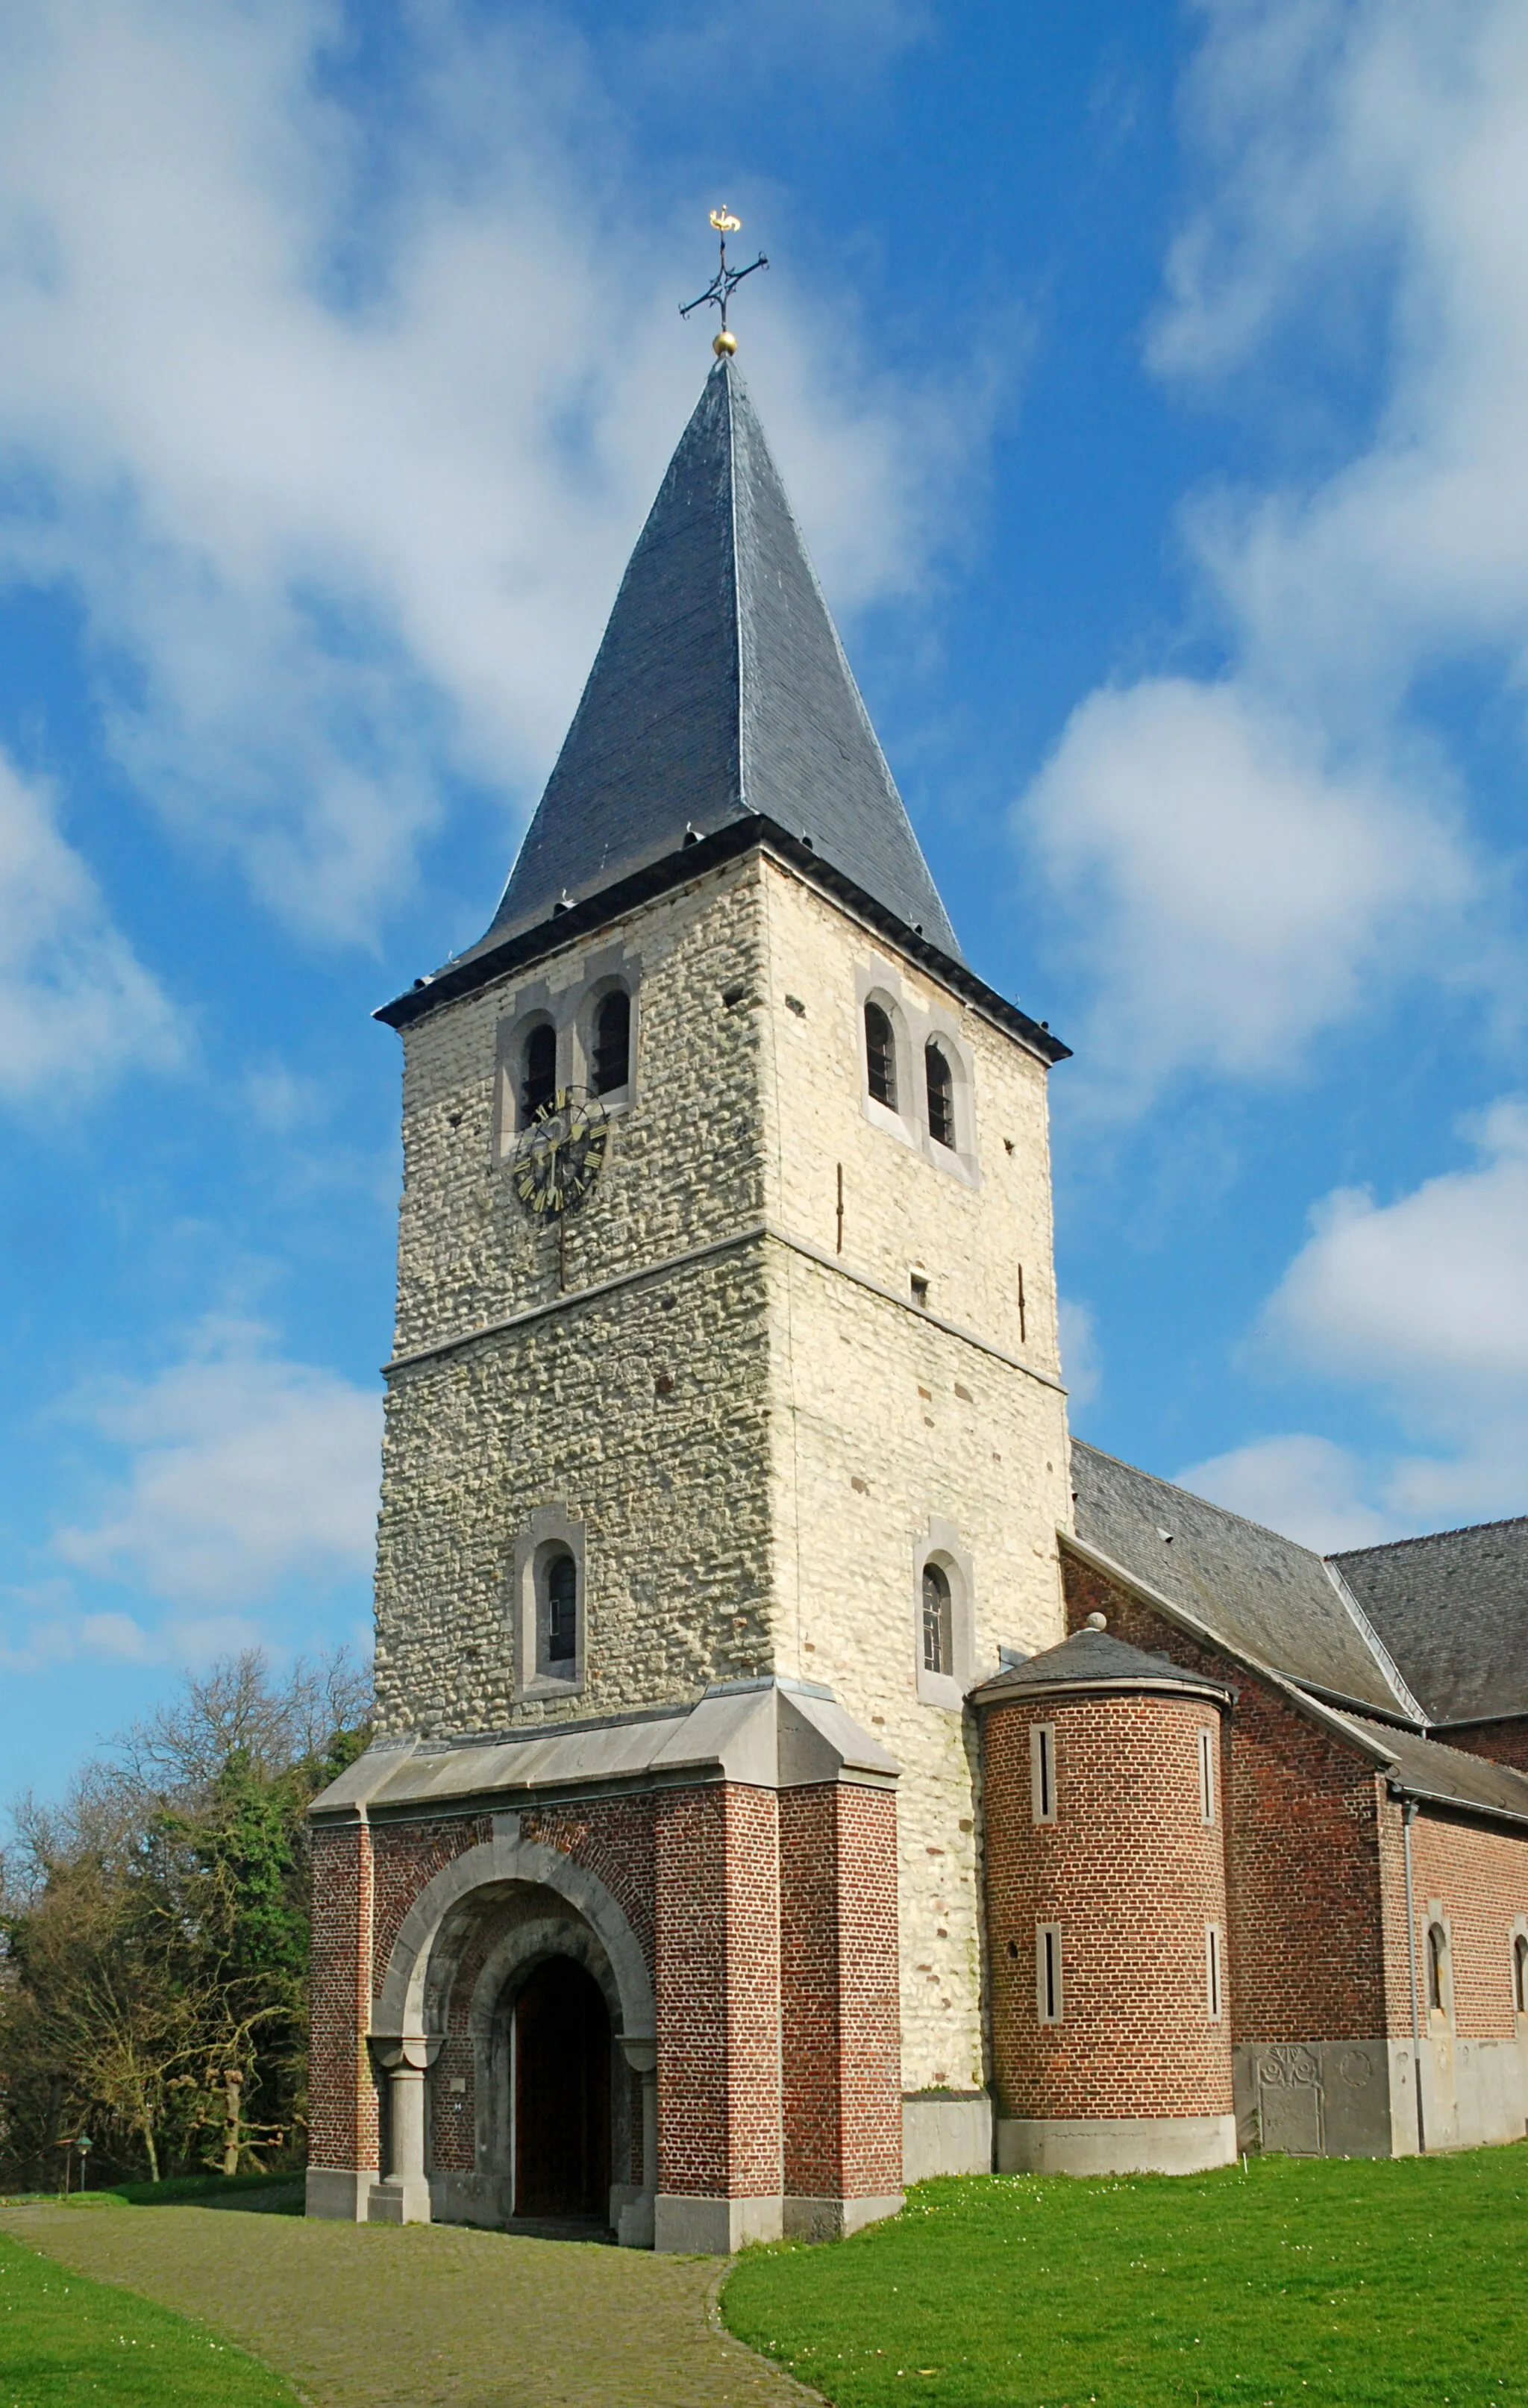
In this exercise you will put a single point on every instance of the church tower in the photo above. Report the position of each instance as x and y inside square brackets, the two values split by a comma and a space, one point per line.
[725, 1455]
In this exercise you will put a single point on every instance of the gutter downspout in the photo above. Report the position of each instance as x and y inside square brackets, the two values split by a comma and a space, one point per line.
[1408, 1815]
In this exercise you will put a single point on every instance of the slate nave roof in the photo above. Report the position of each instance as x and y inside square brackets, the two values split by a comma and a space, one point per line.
[1423, 1631]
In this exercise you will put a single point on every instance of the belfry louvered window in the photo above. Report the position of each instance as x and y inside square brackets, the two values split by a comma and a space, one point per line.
[880, 1056]
[941, 1097]
[538, 1081]
[938, 1632]
[612, 1063]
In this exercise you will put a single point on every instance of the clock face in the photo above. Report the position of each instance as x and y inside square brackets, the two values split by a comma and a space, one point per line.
[561, 1154]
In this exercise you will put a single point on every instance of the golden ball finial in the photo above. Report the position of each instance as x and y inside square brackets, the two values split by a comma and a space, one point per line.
[724, 344]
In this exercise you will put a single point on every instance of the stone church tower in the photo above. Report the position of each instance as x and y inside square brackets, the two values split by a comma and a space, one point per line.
[725, 1453]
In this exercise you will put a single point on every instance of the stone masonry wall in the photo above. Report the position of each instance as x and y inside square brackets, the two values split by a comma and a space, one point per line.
[761, 1450]
[685, 1157]
[643, 1415]
[1132, 1874]
[893, 1431]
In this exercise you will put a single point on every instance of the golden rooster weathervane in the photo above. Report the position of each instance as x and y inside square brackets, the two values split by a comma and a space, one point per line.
[724, 283]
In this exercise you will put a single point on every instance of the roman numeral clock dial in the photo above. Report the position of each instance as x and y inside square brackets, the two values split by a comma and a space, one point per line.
[559, 1156]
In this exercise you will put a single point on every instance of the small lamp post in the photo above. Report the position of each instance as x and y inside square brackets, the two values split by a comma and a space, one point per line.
[84, 2145]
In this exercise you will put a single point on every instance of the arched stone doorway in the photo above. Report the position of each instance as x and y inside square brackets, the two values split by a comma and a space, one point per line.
[514, 2021]
[563, 2115]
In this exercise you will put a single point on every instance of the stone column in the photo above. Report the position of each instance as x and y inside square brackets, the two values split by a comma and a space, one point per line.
[404, 2196]
[635, 2218]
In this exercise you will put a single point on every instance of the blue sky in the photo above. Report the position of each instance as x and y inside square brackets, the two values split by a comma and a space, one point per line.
[1149, 381]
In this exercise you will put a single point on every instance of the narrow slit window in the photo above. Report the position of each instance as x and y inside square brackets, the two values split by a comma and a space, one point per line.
[1212, 1971]
[941, 1097]
[880, 1056]
[1023, 1332]
[938, 1631]
[1519, 1973]
[1047, 1997]
[1042, 1772]
[1437, 1950]
[612, 1064]
[1207, 1776]
[538, 1062]
[562, 1610]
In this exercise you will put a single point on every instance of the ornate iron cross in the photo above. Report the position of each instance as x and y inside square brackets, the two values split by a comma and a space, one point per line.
[724, 283]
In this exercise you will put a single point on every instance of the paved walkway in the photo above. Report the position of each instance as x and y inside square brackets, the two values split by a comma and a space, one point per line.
[428, 2316]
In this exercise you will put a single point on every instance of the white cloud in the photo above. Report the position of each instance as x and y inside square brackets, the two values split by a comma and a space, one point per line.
[341, 427]
[76, 1007]
[1358, 262]
[65, 1633]
[1307, 1487]
[245, 1471]
[1422, 1302]
[1235, 890]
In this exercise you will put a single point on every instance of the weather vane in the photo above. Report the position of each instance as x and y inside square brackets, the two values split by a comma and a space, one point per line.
[724, 283]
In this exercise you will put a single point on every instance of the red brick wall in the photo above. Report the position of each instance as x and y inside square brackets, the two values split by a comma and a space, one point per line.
[612, 1838]
[1302, 1830]
[716, 1916]
[342, 2091]
[840, 2032]
[1480, 1878]
[407, 1857]
[1505, 1742]
[1133, 1874]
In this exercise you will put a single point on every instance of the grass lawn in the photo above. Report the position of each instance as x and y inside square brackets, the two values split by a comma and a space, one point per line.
[65, 2342]
[1390, 2284]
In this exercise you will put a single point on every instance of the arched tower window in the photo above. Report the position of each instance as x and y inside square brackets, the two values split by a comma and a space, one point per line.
[1519, 1973]
[612, 1062]
[880, 1056]
[1437, 1953]
[538, 1071]
[938, 1626]
[941, 1097]
[560, 1582]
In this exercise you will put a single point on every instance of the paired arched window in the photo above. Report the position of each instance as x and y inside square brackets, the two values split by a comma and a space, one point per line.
[880, 1056]
[611, 1064]
[1519, 1973]
[1438, 1957]
[938, 1621]
[538, 1071]
[560, 1610]
[941, 1096]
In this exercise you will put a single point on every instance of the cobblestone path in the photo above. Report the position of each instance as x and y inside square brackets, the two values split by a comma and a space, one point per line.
[429, 2315]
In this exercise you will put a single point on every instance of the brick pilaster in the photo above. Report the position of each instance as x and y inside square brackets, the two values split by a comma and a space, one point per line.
[840, 2011]
[342, 2094]
[716, 1894]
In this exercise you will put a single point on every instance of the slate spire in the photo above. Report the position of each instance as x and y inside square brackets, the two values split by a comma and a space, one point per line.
[720, 691]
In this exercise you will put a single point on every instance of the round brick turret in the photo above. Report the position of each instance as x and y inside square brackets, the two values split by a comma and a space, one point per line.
[1106, 1912]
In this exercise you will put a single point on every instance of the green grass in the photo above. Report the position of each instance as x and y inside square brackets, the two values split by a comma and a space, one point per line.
[1372, 2285]
[65, 2342]
[278, 2194]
